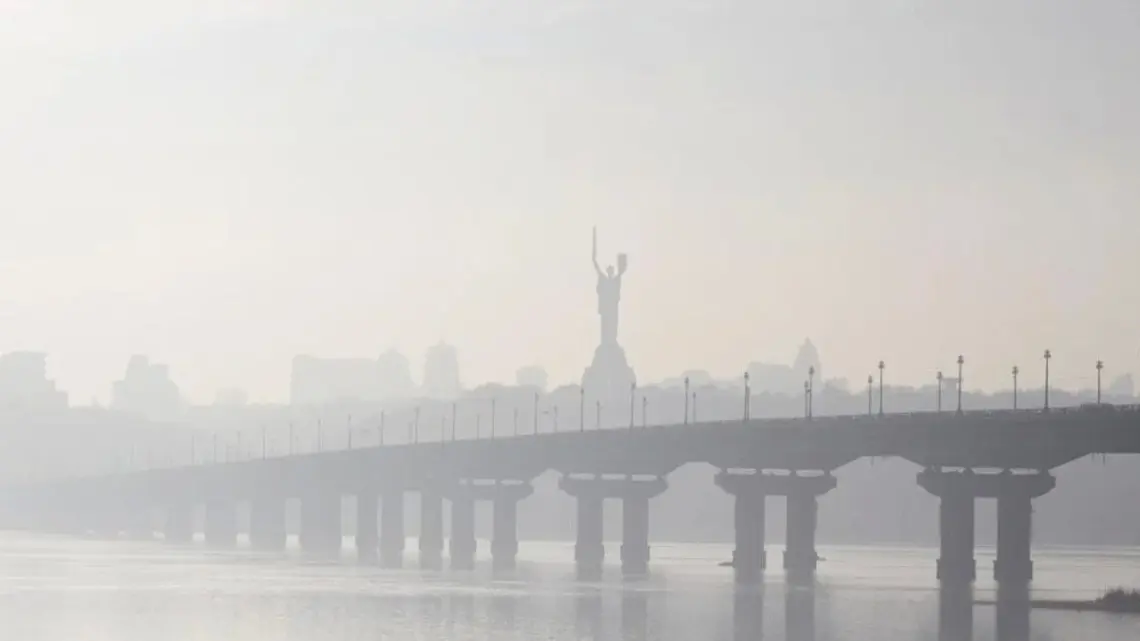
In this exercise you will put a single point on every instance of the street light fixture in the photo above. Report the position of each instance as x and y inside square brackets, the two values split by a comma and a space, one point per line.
[807, 396]
[1099, 367]
[882, 366]
[1016, 371]
[939, 377]
[961, 362]
[1048, 357]
[870, 383]
[747, 396]
[811, 391]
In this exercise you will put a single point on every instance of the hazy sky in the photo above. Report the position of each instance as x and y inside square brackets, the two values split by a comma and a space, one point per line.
[222, 185]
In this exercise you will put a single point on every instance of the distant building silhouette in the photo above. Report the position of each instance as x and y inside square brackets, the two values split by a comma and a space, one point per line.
[1121, 386]
[231, 398]
[146, 389]
[441, 372]
[532, 376]
[24, 382]
[784, 379]
[395, 374]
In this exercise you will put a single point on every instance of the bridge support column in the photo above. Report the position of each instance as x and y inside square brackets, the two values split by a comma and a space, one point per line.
[392, 529]
[589, 552]
[267, 523]
[431, 529]
[367, 537]
[178, 525]
[221, 523]
[1014, 494]
[463, 545]
[800, 556]
[321, 532]
[1014, 562]
[749, 559]
[505, 540]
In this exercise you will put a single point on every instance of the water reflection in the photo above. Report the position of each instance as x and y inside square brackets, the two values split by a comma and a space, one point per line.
[588, 614]
[634, 615]
[748, 613]
[1012, 617]
[799, 613]
[956, 612]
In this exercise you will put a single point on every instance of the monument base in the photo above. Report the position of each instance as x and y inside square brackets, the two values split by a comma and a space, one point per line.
[609, 376]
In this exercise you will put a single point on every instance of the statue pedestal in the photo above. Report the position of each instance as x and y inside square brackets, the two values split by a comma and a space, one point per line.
[609, 376]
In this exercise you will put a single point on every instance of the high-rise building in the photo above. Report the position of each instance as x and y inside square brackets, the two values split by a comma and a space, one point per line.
[24, 383]
[147, 390]
[441, 372]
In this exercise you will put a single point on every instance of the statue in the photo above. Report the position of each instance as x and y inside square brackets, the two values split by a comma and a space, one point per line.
[609, 376]
[609, 294]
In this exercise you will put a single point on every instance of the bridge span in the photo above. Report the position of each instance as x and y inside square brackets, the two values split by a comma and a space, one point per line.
[1002, 455]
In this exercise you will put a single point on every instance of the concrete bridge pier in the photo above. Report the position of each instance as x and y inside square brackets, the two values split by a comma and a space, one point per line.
[504, 537]
[178, 522]
[392, 529]
[367, 537]
[463, 546]
[1014, 493]
[800, 556]
[431, 529]
[589, 551]
[749, 559]
[956, 492]
[321, 532]
[1014, 563]
[267, 523]
[221, 523]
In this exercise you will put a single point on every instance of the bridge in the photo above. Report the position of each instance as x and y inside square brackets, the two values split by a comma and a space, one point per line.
[964, 456]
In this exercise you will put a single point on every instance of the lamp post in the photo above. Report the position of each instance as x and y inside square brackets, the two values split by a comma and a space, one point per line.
[686, 400]
[939, 377]
[747, 396]
[1048, 357]
[807, 395]
[632, 396]
[556, 419]
[380, 428]
[694, 407]
[870, 383]
[1099, 367]
[516, 422]
[264, 439]
[961, 362]
[811, 391]
[598, 415]
[536, 413]
[644, 411]
[882, 366]
[581, 409]
[492, 418]
[1016, 371]
[349, 429]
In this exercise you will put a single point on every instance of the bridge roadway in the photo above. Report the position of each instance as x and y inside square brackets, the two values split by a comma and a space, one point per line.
[1006, 455]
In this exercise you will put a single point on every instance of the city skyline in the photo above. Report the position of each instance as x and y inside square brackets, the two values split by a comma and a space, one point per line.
[797, 178]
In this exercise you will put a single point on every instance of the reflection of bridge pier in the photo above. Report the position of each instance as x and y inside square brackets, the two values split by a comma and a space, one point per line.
[1014, 493]
[748, 612]
[799, 614]
[634, 615]
[751, 491]
[956, 611]
[589, 551]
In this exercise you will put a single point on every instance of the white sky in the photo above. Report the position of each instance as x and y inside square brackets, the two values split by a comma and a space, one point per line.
[222, 185]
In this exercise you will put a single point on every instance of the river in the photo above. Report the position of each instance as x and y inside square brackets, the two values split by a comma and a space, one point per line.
[63, 589]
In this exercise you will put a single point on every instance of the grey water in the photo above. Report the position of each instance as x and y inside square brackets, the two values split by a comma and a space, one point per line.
[63, 589]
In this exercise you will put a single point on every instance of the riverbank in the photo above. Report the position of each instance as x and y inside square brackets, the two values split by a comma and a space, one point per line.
[1115, 601]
